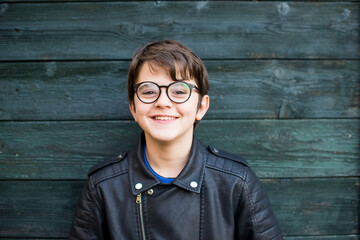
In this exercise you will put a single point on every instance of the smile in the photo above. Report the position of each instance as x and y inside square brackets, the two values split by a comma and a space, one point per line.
[164, 118]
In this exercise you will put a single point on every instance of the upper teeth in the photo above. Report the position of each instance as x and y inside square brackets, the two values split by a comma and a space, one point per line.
[164, 118]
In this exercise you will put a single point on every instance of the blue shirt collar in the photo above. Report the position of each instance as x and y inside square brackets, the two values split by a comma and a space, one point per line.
[162, 179]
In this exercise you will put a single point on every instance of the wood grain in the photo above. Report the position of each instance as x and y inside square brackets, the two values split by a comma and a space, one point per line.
[274, 148]
[213, 29]
[315, 206]
[63, 107]
[238, 89]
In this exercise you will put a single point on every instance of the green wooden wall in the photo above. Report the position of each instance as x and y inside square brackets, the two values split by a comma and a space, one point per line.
[285, 94]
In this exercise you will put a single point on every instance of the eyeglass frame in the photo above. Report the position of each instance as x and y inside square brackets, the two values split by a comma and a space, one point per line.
[190, 85]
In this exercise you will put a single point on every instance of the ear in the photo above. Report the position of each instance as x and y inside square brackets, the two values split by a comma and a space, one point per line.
[204, 106]
[132, 110]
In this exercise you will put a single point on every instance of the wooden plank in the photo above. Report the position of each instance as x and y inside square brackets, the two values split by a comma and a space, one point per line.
[320, 206]
[66, 149]
[113, 30]
[238, 89]
[37, 208]
[300, 148]
[274, 148]
[326, 206]
[63, 91]
[284, 89]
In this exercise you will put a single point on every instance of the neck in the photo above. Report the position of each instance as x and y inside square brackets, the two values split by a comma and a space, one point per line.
[168, 158]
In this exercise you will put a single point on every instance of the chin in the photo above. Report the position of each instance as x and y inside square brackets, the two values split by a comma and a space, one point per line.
[163, 136]
[167, 135]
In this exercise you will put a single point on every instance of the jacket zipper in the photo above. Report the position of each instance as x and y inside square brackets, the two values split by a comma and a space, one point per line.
[138, 201]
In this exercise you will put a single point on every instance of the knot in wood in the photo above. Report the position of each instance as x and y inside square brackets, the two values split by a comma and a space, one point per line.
[283, 9]
[3, 8]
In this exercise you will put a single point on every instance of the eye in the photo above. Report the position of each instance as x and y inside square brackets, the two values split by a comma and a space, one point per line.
[148, 90]
[178, 92]
[179, 89]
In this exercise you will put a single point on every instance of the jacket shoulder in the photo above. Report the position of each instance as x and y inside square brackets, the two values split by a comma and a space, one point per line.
[224, 154]
[110, 167]
[227, 162]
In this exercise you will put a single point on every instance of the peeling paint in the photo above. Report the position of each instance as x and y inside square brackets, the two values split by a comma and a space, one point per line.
[131, 29]
[283, 9]
[50, 69]
[157, 3]
[343, 23]
[280, 73]
[3, 9]
[283, 113]
[346, 13]
[200, 5]
[169, 21]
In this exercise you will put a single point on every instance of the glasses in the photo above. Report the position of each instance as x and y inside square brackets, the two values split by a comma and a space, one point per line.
[177, 92]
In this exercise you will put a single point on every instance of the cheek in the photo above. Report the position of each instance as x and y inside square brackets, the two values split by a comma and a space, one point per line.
[145, 109]
[139, 110]
[190, 108]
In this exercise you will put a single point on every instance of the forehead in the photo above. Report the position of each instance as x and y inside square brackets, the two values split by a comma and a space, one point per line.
[148, 69]
[152, 72]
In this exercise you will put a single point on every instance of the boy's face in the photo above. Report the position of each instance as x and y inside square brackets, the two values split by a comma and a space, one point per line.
[164, 120]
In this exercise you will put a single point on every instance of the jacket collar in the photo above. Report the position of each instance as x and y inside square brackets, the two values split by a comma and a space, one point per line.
[190, 178]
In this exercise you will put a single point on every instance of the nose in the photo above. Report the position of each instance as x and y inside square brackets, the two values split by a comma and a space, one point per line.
[163, 100]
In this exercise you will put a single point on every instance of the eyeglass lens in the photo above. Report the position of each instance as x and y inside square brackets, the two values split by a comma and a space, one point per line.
[177, 92]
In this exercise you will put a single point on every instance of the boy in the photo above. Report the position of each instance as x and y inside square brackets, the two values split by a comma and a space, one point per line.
[170, 186]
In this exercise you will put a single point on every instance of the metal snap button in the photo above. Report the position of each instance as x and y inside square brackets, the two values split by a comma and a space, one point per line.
[138, 186]
[193, 184]
[150, 191]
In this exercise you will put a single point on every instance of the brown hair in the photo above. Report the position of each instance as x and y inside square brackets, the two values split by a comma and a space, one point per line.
[175, 58]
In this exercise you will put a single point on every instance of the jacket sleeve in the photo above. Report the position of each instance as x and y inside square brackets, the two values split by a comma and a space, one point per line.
[88, 221]
[254, 217]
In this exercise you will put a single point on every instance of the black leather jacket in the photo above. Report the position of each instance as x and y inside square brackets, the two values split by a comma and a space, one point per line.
[216, 196]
